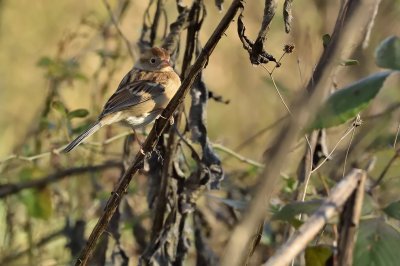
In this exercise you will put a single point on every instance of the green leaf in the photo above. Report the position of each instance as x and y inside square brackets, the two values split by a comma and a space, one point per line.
[78, 113]
[29, 173]
[378, 244]
[349, 62]
[26, 173]
[59, 106]
[346, 103]
[45, 61]
[290, 184]
[61, 69]
[289, 211]
[38, 203]
[296, 223]
[317, 255]
[80, 76]
[393, 210]
[387, 54]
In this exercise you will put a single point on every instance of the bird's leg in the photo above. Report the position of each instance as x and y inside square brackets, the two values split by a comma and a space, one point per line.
[138, 140]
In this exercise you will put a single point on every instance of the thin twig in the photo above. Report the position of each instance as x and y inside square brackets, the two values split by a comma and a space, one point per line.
[348, 131]
[58, 150]
[237, 155]
[121, 34]
[29, 158]
[260, 133]
[305, 136]
[386, 169]
[389, 110]
[371, 24]
[278, 63]
[307, 163]
[347, 152]
[277, 90]
[397, 134]
[6, 260]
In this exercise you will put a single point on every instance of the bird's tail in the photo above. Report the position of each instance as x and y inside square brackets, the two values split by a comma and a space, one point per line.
[88, 132]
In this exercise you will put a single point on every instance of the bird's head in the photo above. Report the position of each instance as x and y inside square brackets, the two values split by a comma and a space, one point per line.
[154, 59]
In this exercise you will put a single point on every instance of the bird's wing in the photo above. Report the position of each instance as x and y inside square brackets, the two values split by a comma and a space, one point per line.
[132, 94]
[131, 76]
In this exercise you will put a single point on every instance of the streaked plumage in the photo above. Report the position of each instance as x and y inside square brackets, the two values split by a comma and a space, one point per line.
[141, 96]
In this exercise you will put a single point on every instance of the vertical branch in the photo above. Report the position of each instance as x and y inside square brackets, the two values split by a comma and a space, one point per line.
[371, 24]
[205, 256]
[156, 20]
[170, 234]
[175, 29]
[287, 15]
[182, 246]
[305, 166]
[349, 221]
[191, 38]
[197, 115]
[162, 200]
[269, 13]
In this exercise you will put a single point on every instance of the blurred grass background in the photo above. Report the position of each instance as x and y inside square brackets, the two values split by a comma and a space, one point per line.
[30, 30]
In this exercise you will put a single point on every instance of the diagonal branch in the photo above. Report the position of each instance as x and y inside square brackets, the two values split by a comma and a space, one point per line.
[337, 198]
[156, 131]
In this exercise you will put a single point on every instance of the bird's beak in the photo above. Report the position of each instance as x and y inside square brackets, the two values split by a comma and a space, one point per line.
[165, 63]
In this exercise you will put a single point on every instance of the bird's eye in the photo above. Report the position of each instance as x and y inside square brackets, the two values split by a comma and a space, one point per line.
[153, 60]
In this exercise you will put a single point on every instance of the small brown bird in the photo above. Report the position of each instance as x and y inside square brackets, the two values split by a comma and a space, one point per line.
[140, 97]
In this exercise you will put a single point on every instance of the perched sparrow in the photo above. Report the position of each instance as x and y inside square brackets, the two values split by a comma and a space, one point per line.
[141, 96]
